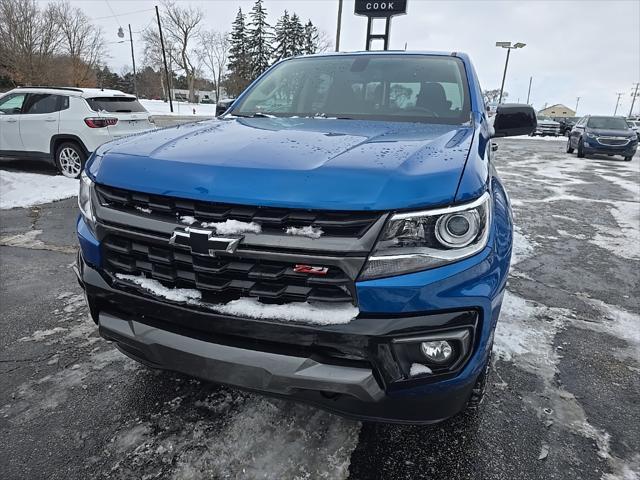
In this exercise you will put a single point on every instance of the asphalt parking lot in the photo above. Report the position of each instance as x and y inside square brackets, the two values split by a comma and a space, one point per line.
[564, 390]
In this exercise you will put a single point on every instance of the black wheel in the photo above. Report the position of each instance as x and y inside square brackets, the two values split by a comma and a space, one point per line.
[569, 147]
[580, 148]
[480, 388]
[70, 159]
[628, 158]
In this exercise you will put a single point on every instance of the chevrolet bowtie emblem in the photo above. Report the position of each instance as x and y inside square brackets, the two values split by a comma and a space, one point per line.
[203, 242]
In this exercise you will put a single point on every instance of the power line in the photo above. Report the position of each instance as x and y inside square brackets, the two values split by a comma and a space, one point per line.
[114, 13]
[122, 14]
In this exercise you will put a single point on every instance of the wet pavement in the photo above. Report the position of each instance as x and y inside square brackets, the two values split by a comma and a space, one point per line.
[563, 393]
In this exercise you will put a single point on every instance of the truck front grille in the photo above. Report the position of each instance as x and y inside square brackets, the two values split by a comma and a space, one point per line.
[272, 220]
[224, 277]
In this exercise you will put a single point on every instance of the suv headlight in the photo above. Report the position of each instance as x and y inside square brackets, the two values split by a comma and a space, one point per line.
[416, 241]
[590, 135]
[84, 199]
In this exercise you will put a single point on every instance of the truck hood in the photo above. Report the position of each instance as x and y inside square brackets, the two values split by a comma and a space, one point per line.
[293, 162]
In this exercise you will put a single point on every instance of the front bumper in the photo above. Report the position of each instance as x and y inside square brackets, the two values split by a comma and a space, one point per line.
[345, 368]
[594, 146]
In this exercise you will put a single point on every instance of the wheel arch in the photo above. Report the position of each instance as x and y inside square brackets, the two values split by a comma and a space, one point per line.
[57, 140]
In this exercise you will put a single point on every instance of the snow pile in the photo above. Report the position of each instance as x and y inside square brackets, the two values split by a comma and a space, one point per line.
[155, 287]
[233, 227]
[187, 220]
[18, 189]
[143, 210]
[319, 314]
[419, 369]
[310, 231]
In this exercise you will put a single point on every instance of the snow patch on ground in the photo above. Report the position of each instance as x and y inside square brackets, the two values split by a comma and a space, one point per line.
[309, 231]
[40, 335]
[315, 313]
[160, 107]
[233, 227]
[625, 240]
[188, 220]
[522, 246]
[19, 189]
[419, 369]
[143, 210]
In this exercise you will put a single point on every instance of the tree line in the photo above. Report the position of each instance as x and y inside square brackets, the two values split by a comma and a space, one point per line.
[58, 45]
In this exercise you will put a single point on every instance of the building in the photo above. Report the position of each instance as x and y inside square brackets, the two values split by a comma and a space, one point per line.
[557, 111]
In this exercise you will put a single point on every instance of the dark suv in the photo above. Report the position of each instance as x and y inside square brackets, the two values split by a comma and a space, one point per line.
[606, 135]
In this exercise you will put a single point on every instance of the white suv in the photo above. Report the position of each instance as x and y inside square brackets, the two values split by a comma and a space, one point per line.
[64, 125]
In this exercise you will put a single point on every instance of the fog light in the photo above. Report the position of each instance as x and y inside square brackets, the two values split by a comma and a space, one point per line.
[438, 351]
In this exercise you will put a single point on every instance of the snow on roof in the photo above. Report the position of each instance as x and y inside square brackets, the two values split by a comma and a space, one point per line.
[77, 92]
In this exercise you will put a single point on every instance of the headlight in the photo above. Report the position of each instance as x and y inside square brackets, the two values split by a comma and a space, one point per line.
[590, 135]
[84, 199]
[416, 241]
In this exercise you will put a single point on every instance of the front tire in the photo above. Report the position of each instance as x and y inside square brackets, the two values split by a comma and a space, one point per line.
[569, 147]
[628, 158]
[580, 148]
[70, 159]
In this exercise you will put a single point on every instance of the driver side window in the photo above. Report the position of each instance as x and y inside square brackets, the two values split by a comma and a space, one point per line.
[12, 104]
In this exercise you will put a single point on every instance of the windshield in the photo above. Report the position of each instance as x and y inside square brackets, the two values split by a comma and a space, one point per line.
[115, 104]
[417, 88]
[610, 123]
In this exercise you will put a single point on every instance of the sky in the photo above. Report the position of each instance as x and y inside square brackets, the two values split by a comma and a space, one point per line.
[586, 49]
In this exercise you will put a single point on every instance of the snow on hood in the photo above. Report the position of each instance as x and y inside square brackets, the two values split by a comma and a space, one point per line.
[293, 163]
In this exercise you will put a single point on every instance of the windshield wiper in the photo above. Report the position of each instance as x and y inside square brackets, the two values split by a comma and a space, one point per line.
[252, 115]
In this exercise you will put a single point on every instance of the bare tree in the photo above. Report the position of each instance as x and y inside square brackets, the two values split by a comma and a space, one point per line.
[29, 38]
[215, 55]
[82, 42]
[183, 27]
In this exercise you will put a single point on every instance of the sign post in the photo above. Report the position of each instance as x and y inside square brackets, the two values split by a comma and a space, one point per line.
[380, 9]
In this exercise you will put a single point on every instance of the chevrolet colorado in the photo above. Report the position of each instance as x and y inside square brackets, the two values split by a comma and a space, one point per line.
[339, 236]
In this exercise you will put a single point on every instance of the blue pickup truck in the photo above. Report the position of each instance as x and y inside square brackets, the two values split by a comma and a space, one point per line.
[339, 236]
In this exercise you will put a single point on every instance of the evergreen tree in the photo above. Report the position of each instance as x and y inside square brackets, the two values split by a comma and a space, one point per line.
[296, 33]
[311, 38]
[239, 60]
[259, 41]
[283, 46]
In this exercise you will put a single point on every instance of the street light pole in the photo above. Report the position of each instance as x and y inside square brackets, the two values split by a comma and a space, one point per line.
[577, 101]
[338, 28]
[529, 91]
[508, 46]
[133, 59]
[617, 103]
[633, 99]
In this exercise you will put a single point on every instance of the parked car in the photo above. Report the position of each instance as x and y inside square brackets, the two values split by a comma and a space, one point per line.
[223, 105]
[346, 243]
[547, 126]
[635, 126]
[566, 124]
[63, 125]
[605, 135]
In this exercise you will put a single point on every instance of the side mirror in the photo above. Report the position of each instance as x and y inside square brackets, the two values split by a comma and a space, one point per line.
[222, 106]
[514, 119]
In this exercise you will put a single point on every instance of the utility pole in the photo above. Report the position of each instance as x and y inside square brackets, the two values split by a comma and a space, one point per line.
[633, 99]
[509, 47]
[339, 25]
[617, 103]
[577, 101]
[133, 59]
[164, 57]
[529, 91]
